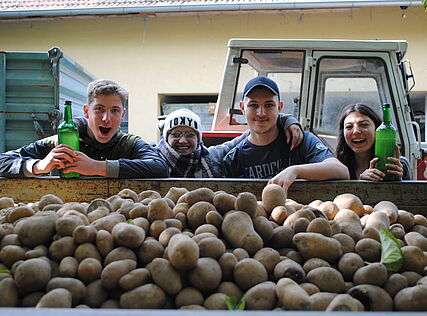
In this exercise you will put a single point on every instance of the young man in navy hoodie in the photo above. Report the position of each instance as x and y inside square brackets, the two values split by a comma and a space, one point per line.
[265, 153]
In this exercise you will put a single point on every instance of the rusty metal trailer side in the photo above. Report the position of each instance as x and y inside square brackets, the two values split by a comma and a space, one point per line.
[407, 195]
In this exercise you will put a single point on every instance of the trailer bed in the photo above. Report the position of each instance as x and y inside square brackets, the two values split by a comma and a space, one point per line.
[407, 195]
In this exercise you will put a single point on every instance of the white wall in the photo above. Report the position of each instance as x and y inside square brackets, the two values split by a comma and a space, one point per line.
[185, 54]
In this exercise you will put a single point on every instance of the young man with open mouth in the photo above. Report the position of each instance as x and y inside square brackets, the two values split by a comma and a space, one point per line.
[104, 149]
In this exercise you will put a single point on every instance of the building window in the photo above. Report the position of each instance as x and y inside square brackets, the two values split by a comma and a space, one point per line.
[202, 105]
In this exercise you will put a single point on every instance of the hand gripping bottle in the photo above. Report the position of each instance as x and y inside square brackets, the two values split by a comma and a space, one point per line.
[68, 134]
[385, 143]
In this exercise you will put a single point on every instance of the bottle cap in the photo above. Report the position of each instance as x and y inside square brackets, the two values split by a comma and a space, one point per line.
[67, 102]
[386, 105]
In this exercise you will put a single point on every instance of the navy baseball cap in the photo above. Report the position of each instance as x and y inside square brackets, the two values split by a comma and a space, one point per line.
[261, 81]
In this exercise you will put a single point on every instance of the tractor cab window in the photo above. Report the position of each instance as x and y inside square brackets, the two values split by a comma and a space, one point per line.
[283, 66]
[343, 81]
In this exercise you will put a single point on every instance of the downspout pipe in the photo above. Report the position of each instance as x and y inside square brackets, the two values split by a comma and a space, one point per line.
[182, 8]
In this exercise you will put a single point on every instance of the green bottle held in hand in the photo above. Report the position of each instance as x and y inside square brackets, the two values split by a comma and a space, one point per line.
[385, 143]
[68, 134]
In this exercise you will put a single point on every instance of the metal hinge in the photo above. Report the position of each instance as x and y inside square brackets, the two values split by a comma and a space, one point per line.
[239, 60]
[54, 117]
[305, 123]
[409, 74]
[235, 111]
[310, 61]
[37, 127]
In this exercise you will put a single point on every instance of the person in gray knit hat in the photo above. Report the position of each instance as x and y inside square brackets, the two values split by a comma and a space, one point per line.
[185, 123]
[182, 147]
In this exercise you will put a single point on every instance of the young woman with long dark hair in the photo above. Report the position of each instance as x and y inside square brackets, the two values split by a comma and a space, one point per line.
[356, 145]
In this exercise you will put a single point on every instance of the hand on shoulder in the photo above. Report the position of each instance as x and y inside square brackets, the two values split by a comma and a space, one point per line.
[294, 135]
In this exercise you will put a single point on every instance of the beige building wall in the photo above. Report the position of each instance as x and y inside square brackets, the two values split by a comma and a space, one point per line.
[152, 56]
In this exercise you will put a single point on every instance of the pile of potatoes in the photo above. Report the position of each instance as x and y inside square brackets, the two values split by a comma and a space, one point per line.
[192, 249]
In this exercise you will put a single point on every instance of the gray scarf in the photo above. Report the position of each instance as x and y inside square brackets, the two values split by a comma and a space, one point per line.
[194, 165]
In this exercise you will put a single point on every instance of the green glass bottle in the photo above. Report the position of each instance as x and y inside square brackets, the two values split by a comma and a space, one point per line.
[68, 134]
[385, 143]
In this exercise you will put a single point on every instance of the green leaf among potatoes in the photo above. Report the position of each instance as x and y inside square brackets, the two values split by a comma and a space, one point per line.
[391, 254]
[233, 305]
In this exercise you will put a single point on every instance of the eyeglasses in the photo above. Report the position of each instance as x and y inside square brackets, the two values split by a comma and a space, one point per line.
[178, 135]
